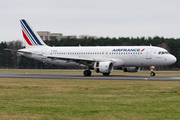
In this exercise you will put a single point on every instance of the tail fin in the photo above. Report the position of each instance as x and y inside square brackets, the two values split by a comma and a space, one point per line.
[31, 37]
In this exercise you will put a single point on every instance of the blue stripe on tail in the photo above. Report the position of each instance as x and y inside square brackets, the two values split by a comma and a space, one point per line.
[32, 33]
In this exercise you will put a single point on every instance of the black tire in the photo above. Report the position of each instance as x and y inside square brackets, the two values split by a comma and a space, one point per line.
[87, 73]
[152, 74]
[106, 74]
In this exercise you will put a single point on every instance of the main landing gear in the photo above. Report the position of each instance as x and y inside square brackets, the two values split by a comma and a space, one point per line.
[152, 74]
[106, 74]
[87, 73]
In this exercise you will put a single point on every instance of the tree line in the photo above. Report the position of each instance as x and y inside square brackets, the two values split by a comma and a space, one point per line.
[12, 60]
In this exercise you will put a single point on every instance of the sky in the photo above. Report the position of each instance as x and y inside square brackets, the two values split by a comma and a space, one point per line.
[101, 18]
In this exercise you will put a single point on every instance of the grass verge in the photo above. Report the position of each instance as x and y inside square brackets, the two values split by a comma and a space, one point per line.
[88, 99]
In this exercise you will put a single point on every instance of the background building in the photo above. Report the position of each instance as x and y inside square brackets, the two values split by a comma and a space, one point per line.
[45, 35]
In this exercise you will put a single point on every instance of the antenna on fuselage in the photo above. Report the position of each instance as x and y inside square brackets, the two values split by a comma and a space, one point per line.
[79, 45]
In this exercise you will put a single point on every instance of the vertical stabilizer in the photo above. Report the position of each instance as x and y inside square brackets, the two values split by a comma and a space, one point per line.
[31, 37]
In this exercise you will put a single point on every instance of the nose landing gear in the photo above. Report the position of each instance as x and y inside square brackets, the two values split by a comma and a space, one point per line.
[152, 74]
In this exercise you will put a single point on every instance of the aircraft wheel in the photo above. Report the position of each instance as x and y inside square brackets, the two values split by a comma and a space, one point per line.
[106, 74]
[87, 73]
[152, 74]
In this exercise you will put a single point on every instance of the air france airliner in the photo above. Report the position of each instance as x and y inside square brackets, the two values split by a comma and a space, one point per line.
[101, 59]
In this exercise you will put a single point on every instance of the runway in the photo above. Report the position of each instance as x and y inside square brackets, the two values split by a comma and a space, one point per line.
[93, 77]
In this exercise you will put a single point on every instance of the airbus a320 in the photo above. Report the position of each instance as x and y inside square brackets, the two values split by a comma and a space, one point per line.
[101, 59]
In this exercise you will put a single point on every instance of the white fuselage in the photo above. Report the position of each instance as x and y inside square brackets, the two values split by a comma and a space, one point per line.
[122, 56]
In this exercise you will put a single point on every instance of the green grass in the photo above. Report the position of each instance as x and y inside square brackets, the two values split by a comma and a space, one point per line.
[88, 99]
[50, 71]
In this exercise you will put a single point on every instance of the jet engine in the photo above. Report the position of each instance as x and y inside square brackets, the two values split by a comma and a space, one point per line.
[131, 69]
[103, 67]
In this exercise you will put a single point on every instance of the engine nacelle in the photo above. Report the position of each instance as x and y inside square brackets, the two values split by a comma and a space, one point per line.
[103, 67]
[131, 69]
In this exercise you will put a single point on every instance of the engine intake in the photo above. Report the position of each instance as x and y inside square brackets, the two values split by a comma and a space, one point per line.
[103, 67]
[131, 69]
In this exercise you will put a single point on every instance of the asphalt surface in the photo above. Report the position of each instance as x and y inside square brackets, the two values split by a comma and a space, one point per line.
[93, 77]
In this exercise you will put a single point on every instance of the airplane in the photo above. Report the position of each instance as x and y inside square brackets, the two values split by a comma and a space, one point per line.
[102, 59]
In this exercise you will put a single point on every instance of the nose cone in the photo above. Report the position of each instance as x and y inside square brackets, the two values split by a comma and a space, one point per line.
[172, 59]
[175, 59]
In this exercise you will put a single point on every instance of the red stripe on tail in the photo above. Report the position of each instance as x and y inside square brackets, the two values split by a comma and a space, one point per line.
[26, 38]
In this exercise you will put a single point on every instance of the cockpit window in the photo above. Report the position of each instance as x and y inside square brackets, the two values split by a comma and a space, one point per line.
[163, 52]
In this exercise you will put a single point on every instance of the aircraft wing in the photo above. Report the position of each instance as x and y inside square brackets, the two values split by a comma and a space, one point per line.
[18, 51]
[80, 60]
[12, 50]
[84, 60]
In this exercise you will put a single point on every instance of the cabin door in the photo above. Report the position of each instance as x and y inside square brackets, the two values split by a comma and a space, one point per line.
[148, 54]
